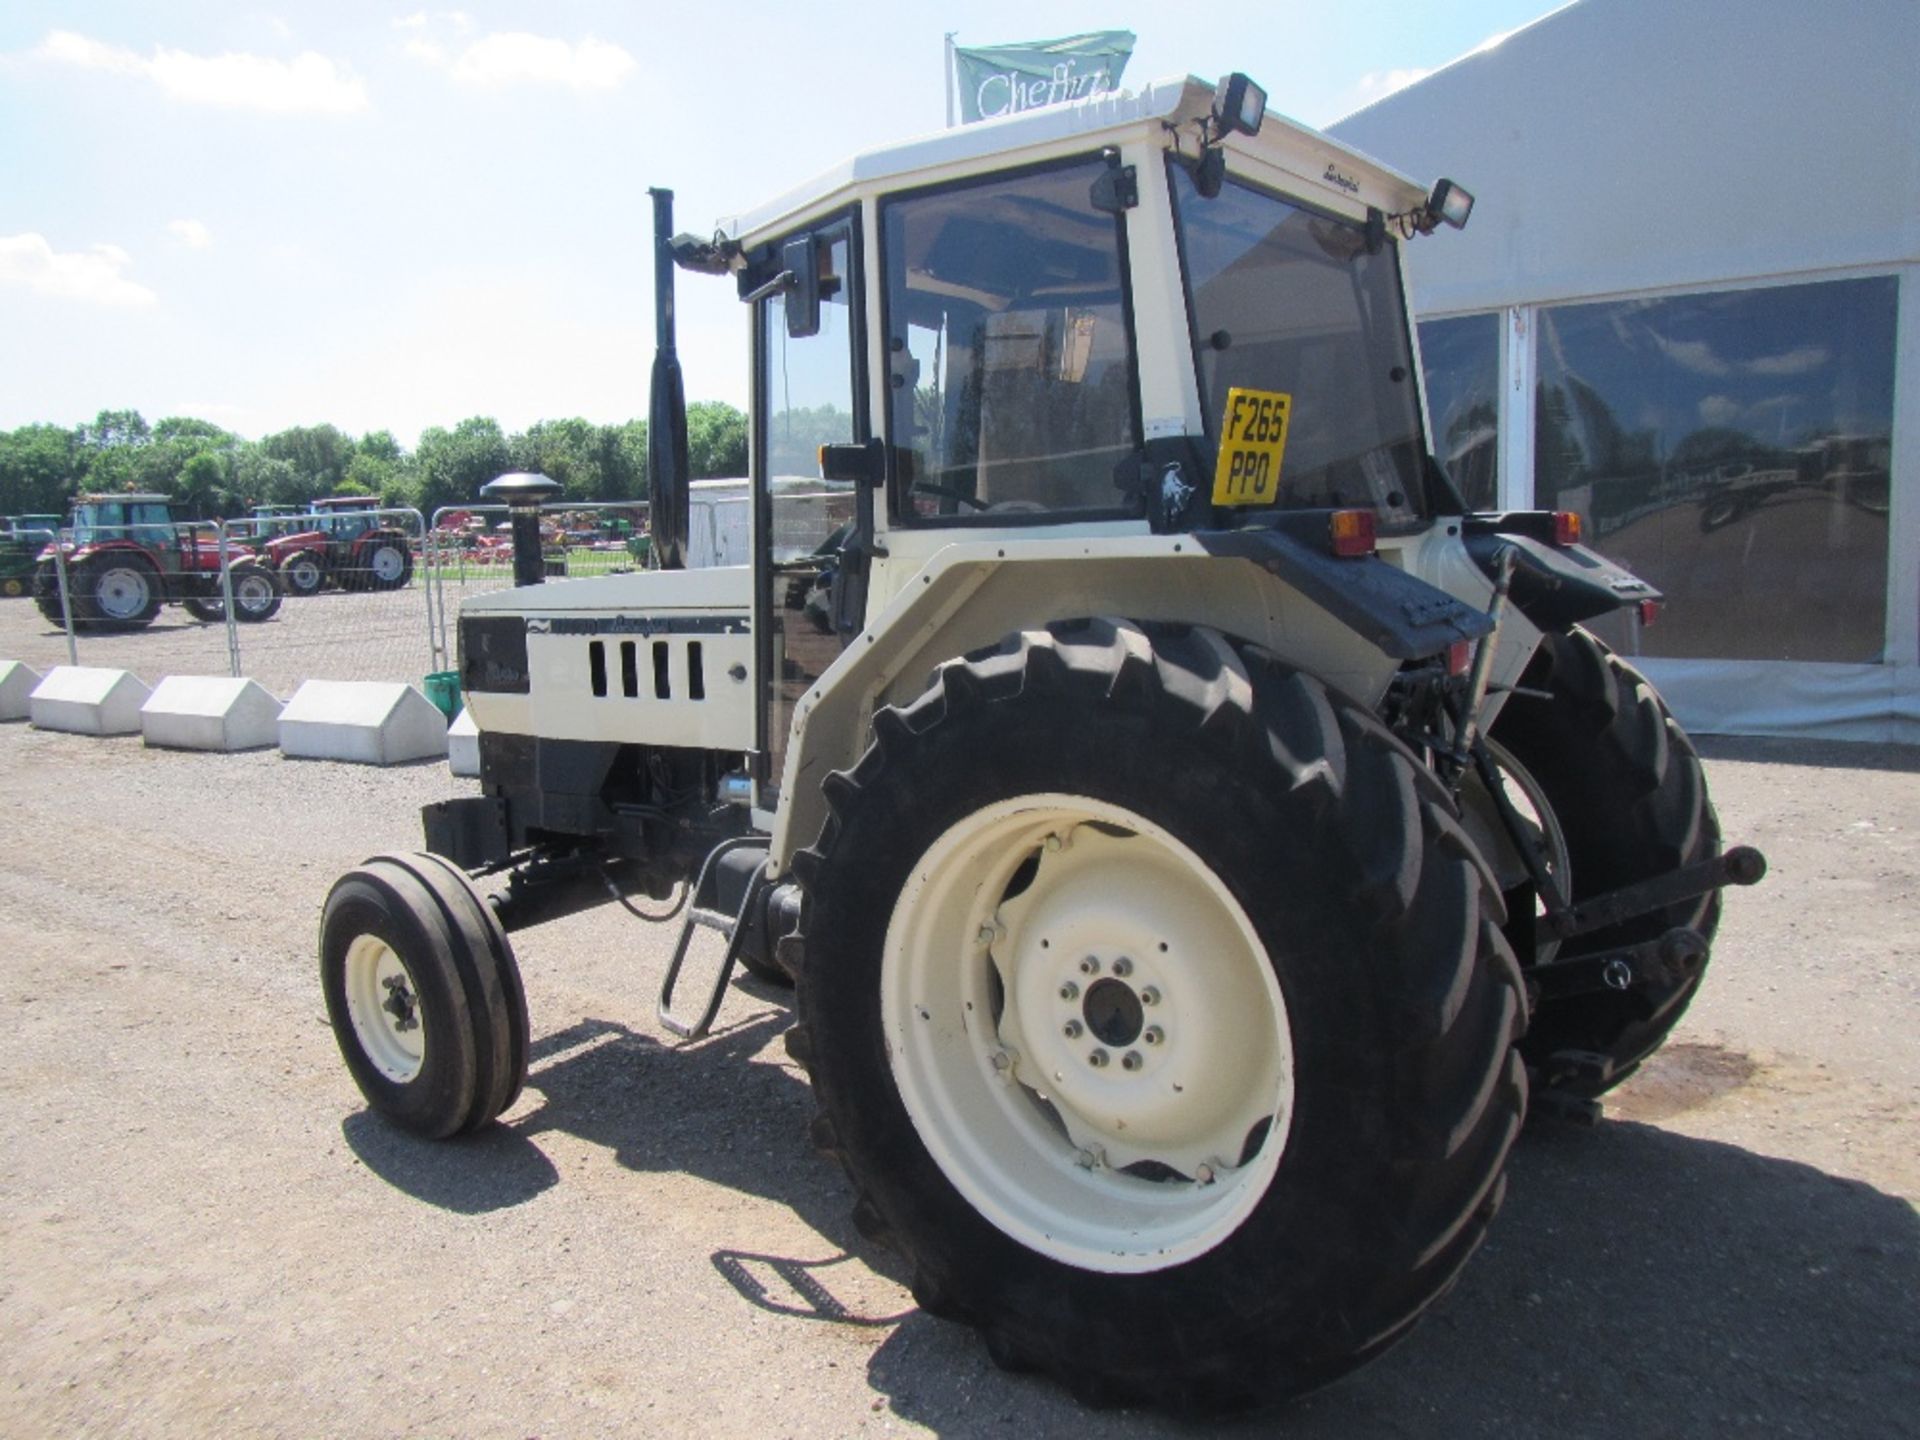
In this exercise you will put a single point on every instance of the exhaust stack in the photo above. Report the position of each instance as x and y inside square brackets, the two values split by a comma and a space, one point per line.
[667, 463]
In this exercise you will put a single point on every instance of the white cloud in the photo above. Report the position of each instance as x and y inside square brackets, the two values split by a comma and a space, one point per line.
[93, 276]
[514, 57]
[1790, 362]
[190, 233]
[1378, 84]
[1696, 356]
[308, 82]
[1718, 410]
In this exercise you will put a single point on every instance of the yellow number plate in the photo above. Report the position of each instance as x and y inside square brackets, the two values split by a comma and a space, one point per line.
[1253, 439]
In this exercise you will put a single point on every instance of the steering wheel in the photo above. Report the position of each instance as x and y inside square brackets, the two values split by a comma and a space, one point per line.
[947, 492]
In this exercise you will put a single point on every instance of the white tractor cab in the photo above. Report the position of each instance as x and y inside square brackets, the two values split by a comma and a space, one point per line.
[1192, 835]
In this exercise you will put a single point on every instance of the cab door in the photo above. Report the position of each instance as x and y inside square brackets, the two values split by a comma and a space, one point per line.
[807, 393]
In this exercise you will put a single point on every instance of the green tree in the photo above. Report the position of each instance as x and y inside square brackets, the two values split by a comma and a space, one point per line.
[717, 440]
[564, 450]
[453, 464]
[623, 460]
[319, 455]
[381, 467]
[40, 468]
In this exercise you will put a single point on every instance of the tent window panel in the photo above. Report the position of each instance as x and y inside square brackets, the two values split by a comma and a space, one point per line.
[1460, 360]
[1736, 450]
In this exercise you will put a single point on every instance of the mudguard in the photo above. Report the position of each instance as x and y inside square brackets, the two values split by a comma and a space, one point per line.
[1402, 614]
[1554, 586]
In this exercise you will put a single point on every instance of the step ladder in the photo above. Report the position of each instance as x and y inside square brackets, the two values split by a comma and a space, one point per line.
[702, 917]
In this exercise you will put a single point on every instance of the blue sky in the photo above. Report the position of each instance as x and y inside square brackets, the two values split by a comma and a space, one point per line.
[391, 218]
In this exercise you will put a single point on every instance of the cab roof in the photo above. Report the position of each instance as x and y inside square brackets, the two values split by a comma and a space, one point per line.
[1156, 111]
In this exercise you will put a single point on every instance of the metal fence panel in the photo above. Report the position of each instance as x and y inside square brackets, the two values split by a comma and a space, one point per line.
[353, 587]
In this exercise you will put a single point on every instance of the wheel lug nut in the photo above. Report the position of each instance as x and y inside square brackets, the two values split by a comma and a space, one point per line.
[1123, 966]
[1153, 1035]
[1069, 991]
[1098, 1059]
[1071, 1029]
[1149, 996]
[1131, 1060]
[1090, 966]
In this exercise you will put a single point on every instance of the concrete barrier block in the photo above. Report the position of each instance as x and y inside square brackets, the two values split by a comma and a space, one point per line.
[88, 700]
[17, 682]
[210, 712]
[463, 746]
[364, 722]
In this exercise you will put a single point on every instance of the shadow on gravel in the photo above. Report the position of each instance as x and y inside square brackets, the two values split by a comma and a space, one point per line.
[1637, 1283]
[491, 1170]
[705, 1109]
[1823, 754]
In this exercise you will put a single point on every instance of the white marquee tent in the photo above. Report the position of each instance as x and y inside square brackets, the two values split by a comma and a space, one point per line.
[1688, 306]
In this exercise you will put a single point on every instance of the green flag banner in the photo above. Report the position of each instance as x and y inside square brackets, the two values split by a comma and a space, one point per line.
[999, 80]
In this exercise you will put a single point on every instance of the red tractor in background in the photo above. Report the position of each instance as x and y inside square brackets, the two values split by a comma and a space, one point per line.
[128, 554]
[347, 544]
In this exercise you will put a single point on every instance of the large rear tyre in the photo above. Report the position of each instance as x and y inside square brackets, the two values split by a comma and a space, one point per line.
[46, 593]
[114, 591]
[1631, 802]
[1158, 1008]
[388, 563]
[423, 995]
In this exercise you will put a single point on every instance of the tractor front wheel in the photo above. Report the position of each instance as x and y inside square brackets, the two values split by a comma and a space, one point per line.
[303, 573]
[1158, 1008]
[257, 591]
[423, 994]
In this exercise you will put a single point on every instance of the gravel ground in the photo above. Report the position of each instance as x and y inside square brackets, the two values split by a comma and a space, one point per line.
[201, 1231]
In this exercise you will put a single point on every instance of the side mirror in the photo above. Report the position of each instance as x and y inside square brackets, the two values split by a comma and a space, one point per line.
[800, 258]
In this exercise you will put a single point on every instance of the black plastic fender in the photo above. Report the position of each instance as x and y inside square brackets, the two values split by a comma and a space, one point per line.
[1403, 615]
[1554, 586]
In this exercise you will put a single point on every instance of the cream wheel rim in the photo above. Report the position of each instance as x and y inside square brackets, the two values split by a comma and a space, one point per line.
[1087, 1034]
[384, 1005]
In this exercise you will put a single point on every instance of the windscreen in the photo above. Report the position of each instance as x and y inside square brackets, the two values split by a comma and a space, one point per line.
[1293, 311]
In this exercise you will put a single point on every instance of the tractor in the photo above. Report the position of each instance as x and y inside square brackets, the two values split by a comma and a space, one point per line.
[343, 542]
[125, 555]
[1194, 838]
[22, 538]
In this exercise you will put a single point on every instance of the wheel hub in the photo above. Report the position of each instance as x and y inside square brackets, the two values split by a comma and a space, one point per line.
[401, 1003]
[122, 593]
[384, 1005]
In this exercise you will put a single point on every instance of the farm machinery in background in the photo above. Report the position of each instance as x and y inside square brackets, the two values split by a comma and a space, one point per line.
[342, 542]
[22, 538]
[127, 555]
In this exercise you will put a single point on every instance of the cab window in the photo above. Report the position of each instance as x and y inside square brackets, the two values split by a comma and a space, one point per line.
[1012, 385]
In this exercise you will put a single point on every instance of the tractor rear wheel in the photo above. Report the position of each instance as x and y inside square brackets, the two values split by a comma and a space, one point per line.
[114, 591]
[1630, 799]
[1158, 1008]
[388, 563]
[46, 593]
[423, 994]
